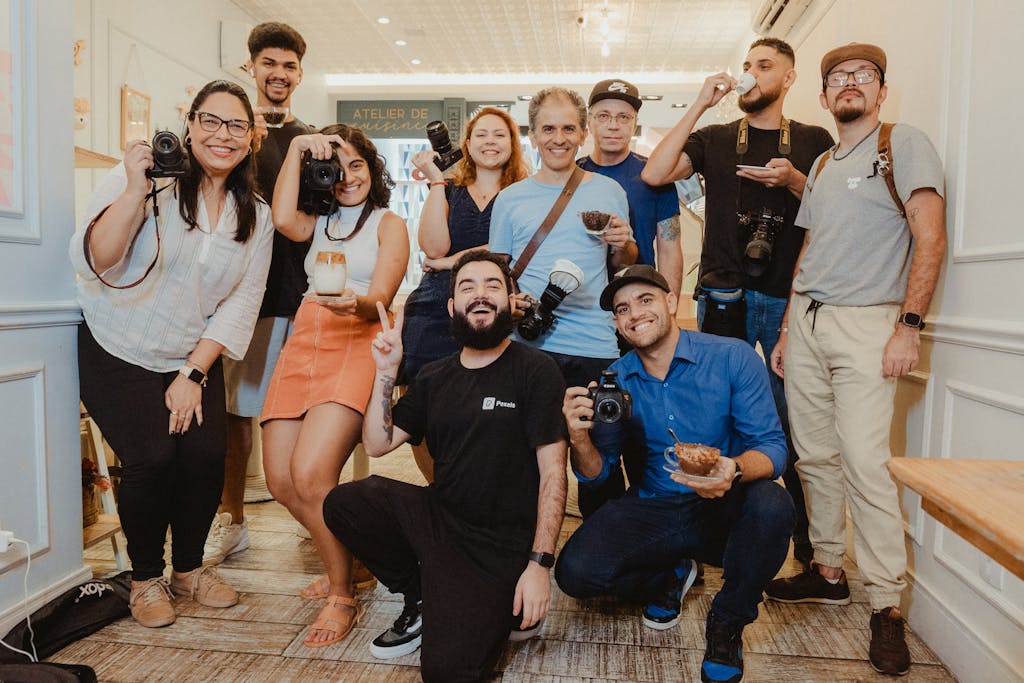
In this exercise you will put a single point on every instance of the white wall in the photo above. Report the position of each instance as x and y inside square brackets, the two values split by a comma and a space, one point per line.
[946, 69]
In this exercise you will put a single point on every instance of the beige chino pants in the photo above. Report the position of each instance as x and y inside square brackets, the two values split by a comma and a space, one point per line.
[840, 412]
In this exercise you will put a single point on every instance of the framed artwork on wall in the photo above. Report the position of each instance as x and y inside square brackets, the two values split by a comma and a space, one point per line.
[134, 115]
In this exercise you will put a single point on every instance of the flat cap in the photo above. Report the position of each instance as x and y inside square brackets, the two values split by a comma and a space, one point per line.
[871, 53]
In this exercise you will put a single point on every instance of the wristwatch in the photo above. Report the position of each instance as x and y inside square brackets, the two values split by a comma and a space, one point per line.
[738, 476]
[193, 374]
[912, 320]
[546, 560]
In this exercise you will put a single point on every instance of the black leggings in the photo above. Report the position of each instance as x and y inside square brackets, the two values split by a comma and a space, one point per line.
[168, 479]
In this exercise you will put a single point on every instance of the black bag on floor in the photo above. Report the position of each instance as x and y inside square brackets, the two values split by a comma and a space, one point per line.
[75, 614]
[44, 672]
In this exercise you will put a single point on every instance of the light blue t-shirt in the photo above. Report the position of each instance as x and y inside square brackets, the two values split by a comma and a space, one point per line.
[581, 328]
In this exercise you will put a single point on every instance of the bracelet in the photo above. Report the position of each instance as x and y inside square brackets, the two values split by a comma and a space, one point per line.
[437, 182]
[783, 329]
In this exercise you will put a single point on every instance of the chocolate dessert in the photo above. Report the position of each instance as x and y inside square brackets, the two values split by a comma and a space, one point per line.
[696, 458]
[595, 221]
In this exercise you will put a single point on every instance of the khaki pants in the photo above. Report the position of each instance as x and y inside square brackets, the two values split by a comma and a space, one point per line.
[840, 412]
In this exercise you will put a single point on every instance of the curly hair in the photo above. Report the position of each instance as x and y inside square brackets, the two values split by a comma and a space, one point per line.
[514, 169]
[380, 180]
[275, 34]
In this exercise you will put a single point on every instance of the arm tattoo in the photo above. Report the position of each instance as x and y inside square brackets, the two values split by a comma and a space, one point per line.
[387, 383]
[668, 229]
[912, 214]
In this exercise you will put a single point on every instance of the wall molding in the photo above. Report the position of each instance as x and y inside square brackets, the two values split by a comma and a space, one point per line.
[990, 335]
[49, 314]
[1006, 252]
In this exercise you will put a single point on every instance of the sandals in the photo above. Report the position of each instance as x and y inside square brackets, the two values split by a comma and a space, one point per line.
[321, 588]
[333, 617]
[318, 588]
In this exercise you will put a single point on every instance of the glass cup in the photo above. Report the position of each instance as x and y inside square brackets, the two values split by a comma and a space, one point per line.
[329, 273]
[274, 116]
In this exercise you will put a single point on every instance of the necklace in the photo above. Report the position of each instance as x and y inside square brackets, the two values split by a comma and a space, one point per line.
[853, 149]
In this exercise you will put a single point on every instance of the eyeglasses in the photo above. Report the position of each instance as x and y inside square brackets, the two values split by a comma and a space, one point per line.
[211, 124]
[604, 118]
[837, 79]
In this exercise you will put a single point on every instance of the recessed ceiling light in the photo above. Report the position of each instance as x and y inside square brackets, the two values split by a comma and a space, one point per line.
[415, 61]
[604, 50]
[525, 98]
[678, 105]
[651, 98]
[383, 20]
[400, 43]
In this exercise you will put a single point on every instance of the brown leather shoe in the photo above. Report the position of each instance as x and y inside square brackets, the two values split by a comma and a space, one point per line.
[888, 652]
[150, 603]
[205, 586]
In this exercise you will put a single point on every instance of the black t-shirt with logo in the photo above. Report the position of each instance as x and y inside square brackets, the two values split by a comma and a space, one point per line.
[483, 427]
[286, 279]
[712, 151]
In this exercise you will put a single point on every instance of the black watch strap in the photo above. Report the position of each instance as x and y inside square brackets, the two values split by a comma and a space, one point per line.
[736, 478]
[546, 560]
[912, 320]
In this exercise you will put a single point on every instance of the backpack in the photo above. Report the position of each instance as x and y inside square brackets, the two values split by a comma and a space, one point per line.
[883, 166]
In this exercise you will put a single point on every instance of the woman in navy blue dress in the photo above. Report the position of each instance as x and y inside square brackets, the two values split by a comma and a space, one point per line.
[456, 217]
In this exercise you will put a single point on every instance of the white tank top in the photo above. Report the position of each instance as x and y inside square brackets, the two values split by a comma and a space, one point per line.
[360, 251]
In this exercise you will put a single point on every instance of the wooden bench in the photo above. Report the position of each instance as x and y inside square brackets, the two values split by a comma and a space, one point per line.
[979, 499]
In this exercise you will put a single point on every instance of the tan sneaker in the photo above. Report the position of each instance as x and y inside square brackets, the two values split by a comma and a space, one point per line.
[150, 603]
[205, 586]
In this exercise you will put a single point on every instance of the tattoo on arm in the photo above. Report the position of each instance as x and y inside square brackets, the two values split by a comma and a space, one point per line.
[387, 383]
[668, 229]
[912, 214]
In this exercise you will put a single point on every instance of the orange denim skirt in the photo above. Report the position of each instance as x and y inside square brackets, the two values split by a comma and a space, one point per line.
[326, 360]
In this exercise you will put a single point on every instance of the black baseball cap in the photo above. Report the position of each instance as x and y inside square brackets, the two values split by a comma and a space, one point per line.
[616, 89]
[629, 275]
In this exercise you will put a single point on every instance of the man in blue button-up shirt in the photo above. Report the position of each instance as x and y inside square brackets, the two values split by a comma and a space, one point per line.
[709, 390]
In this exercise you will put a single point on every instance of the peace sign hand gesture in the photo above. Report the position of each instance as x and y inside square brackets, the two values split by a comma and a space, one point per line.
[387, 345]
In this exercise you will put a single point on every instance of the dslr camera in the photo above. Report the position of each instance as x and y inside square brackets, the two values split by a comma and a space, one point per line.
[169, 158]
[316, 185]
[611, 402]
[441, 142]
[764, 228]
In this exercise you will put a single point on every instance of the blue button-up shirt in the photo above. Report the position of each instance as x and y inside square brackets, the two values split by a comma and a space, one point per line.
[716, 393]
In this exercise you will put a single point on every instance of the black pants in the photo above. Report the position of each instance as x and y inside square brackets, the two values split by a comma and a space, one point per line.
[168, 479]
[413, 548]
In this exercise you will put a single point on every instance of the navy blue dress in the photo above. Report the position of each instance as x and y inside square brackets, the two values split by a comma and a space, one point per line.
[427, 333]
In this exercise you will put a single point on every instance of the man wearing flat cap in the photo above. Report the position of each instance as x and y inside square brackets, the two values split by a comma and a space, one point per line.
[706, 390]
[874, 213]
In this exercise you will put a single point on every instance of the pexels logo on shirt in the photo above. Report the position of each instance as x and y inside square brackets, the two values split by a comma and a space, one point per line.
[490, 403]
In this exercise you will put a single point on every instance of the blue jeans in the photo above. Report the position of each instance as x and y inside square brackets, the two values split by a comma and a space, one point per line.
[630, 546]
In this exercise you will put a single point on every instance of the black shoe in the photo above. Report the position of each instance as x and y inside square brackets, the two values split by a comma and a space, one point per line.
[518, 633]
[666, 609]
[723, 656]
[888, 652]
[809, 586]
[404, 636]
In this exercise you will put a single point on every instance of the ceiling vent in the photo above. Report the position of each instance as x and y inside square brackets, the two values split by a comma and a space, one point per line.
[776, 17]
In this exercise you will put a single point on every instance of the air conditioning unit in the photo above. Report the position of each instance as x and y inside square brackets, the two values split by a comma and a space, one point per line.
[234, 49]
[777, 17]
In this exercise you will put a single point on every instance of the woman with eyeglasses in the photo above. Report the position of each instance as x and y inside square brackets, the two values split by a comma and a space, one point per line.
[456, 217]
[313, 414]
[170, 277]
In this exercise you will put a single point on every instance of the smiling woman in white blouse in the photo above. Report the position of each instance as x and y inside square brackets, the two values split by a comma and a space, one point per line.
[170, 276]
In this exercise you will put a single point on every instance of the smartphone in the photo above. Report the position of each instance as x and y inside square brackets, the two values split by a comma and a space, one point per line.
[752, 168]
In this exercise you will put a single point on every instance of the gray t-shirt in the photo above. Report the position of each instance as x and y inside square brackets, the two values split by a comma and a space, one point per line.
[859, 246]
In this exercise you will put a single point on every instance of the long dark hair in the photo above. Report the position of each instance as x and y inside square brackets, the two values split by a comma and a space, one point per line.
[241, 181]
[380, 180]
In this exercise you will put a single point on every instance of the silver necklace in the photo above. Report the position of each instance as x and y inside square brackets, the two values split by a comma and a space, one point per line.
[854, 148]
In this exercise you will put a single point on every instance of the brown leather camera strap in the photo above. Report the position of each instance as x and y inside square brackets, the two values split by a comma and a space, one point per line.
[883, 165]
[549, 222]
[88, 254]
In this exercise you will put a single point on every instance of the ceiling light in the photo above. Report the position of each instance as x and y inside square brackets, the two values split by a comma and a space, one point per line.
[383, 20]
[400, 43]
[347, 81]
[415, 61]
[525, 98]
[603, 27]
[679, 105]
[651, 98]
[604, 50]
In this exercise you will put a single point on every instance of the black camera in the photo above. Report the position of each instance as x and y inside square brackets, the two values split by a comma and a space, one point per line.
[316, 185]
[169, 159]
[538, 317]
[611, 402]
[764, 228]
[441, 142]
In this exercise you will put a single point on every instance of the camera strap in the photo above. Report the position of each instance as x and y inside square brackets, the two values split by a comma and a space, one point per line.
[549, 222]
[360, 222]
[156, 223]
[883, 165]
[743, 138]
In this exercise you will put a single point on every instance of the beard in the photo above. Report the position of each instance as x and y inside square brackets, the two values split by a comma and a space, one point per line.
[482, 338]
[848, 111]
[762, 101]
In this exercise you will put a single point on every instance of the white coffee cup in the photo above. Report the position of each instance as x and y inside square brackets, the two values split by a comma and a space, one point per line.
[330, 273]
[745, 83]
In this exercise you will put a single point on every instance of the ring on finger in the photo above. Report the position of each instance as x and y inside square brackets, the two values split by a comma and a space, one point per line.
[174, 412]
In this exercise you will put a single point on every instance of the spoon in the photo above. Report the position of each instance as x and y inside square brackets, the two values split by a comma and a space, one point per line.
[676, 438]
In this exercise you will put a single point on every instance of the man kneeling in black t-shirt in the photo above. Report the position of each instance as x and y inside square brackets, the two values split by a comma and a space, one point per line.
[470, 552]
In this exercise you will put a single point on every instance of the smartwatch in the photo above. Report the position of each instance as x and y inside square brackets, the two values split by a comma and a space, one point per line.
[912, 320]
[193, 374]
[546, 560]
[738, 476]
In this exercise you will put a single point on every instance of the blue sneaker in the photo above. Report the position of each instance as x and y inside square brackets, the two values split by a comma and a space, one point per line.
[665, 610]
[723, 657]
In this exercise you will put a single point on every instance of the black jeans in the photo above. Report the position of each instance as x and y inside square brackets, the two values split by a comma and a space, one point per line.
[168, 479]
[413, 547]
[630, 547]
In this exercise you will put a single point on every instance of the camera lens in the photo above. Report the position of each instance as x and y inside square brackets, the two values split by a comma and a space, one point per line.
[608, 410]
[167, 149]
[440, 139]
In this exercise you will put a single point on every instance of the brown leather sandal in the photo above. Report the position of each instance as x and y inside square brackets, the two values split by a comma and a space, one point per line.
[318, 588]
[333, 617]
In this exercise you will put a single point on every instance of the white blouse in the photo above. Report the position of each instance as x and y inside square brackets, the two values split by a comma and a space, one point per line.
[204, 285]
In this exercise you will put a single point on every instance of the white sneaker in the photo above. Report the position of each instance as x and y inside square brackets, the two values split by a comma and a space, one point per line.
[225, 539]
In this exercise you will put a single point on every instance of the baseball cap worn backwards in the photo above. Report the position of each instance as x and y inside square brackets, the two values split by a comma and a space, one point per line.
[629, 275]
[871, 53]
[615, 89]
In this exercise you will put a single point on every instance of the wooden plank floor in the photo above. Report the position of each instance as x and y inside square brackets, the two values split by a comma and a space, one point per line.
[260, 639]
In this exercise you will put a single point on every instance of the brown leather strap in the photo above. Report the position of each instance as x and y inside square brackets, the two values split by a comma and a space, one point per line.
[885, 164]
[821, 165]
[549, 222]
[88, 255]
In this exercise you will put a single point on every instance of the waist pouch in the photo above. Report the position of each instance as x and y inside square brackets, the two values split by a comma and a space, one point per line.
[725, 312]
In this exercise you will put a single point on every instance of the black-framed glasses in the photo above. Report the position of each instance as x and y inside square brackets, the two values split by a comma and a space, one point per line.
[604, 118]
[211, 123]
[837, 79]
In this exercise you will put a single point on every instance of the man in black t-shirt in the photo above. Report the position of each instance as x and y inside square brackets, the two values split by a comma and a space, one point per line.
[754, 173]
[275, 61]
[472, 550]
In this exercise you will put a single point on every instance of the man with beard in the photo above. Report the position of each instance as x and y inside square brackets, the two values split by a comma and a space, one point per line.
[865, 280]
[747, 296]
[275, 61]
[703, 389]
[471, 551]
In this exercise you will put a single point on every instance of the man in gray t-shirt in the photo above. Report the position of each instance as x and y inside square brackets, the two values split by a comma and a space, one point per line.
[864, 281]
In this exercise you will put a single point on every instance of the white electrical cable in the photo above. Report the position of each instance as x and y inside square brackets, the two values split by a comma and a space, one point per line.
[28, 619]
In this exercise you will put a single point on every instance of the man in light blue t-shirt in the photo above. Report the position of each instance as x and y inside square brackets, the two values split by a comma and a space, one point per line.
[582, 338]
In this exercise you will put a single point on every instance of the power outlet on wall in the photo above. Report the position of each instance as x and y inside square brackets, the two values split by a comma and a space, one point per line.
[5, 540]
[992, 573]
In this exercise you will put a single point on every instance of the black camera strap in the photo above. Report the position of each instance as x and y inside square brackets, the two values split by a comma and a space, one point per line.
[549, 222]
[360, 222]
[743, 145]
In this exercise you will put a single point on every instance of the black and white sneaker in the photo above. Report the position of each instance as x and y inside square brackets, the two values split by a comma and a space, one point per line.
[519, 634]
[404, 636]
